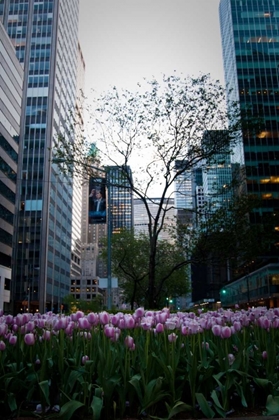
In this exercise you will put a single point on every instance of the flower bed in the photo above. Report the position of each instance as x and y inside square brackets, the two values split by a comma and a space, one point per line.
[152, 363]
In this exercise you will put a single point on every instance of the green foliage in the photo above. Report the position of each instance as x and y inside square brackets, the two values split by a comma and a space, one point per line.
[72, 304]
[130, 263]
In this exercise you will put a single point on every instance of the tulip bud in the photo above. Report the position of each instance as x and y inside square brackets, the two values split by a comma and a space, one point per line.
[104, 318]
[172, 337]
[139, 312]
[84, 359]
[13, 340]
[264, 354]
[226, 332]
[93, 318]
[216, 329]
[159, 328]
[231, 359]
[29, 339]
[129, 341]
[129, 321]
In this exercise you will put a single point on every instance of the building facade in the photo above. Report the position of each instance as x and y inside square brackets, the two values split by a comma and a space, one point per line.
[141, 219]
[250, 40]
[45, 36]
[11, 81]
[113, 183]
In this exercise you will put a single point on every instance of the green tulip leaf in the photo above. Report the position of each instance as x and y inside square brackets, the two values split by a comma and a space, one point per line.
[12, 402]
[272, 405]
[44, 385]
[241, 394]
[179, 407]
[217, 403]
[204, 406]
[68, 409]
[97, 405]
[264, 383]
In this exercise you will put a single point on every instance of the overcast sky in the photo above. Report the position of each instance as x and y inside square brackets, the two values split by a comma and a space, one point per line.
[126, 40]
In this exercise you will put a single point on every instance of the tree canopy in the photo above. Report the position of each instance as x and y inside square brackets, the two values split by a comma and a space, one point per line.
[150, 131]
[130, 263]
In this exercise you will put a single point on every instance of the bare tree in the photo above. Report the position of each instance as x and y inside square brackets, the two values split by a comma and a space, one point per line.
[150, 131]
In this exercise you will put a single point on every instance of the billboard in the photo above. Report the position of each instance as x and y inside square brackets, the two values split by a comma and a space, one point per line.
[97, 207]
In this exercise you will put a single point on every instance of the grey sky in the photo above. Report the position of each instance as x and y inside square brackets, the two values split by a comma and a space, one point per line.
[126, 40]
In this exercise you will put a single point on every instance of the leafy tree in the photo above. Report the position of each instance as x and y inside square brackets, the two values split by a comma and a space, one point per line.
[130, 256]
[71, 304]
[150, 131]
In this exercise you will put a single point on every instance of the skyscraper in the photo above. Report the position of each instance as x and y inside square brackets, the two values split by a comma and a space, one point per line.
[250, 39]
[45, 35]
[11, 80]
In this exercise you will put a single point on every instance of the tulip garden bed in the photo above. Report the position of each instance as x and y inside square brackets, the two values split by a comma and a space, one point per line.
[148, 364]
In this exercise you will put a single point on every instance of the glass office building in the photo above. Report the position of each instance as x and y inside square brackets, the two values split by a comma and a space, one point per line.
[250, 39]
[11, 80]
[45, 36]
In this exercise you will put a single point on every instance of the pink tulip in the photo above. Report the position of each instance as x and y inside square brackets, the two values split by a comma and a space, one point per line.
[46, 335]
[116, 336]
[172, 337]
[2, 345]
[13, 340]
[237, 325]
[184, 330]
[25, 318]
[9, 319]
[146, 325]
[205, 345]
[159, 328]
[104, 318]
[129, 321]
[275, 323]
[162, 317]
[29, 339]
[121, 323]
[217, 330]
[3, 329]
[264, 354]
[30, 326]
[109, 331]
[231, 359]
[93, 318]
[79, 314]
[84, 359]
[170, 324]
[139, 312]
[115, 319]
[61, 324]
[264, 322]
[18, 320]
[15, 327]
[129, 342]
[84, 324]
[226, 332]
